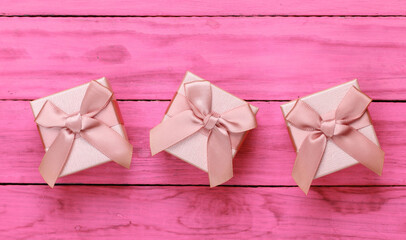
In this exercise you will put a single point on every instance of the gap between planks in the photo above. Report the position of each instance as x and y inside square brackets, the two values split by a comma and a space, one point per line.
[200, 185]
[168, 100]
[194, 16]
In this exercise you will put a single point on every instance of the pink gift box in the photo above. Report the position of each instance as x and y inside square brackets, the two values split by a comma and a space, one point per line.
[334, 158]
[191, 149]
[82, 154]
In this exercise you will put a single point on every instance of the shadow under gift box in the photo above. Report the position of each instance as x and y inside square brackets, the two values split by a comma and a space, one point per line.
[334, 158]
[82, 155]
[193, 149]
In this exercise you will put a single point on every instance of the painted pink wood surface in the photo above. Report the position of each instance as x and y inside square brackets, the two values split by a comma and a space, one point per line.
[93, 212]
[281, 58]
[266, 157]
[254, 57]
[201, 7]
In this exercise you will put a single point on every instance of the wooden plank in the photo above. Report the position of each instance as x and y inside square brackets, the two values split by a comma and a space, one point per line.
[91, 212]
[199, 7]
[281, 58]
[266, 158]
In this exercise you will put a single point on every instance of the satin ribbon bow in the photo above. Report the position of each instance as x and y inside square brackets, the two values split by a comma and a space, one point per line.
[81, 124]
[337, 128]
[199, 117]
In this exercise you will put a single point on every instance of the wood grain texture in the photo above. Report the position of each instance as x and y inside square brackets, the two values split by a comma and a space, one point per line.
[281, 58]
[201, 7]
[266, 157]
[251, 52]
[83, 212]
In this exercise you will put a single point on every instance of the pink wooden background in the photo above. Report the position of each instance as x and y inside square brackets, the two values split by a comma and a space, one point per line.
[267, 52]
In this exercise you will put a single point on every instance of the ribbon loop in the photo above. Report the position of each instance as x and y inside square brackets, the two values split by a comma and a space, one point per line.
[51, 116]
[351, 108]
[200, 116]
[96, 99]
[304, 117]
[96, 133]
[200, 97]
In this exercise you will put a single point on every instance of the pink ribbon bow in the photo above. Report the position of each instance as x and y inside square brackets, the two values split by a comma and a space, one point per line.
[198, 116]
[81, 124]
[339, 128]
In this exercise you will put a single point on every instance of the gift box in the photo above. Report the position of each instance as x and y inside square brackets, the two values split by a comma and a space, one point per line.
[213, 111]
[80, 128]
[340, 147]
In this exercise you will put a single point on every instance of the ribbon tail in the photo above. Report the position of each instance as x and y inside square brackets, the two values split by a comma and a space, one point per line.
[55, 158]
[107, 141]
[360, 148]
[308, 160]
[219, 157]
[173, 130]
